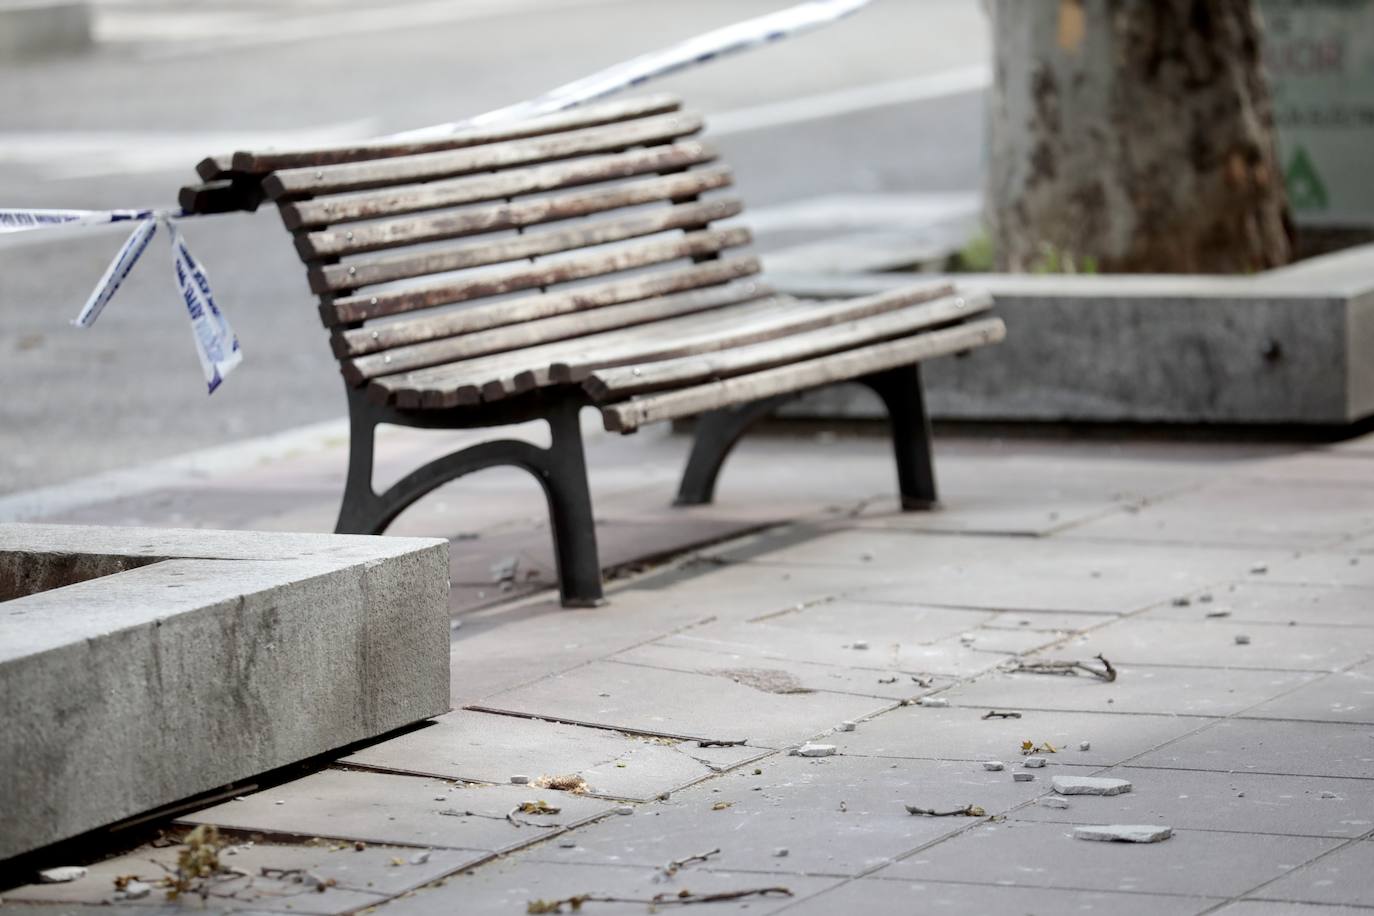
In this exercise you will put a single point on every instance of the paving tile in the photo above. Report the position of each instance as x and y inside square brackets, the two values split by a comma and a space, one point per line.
[1035, 494]
[1287, 908]
[1192, 862]
[1258, 601]
[1004, 573]
[1289, 748]
[1161, 690]
[643, 699]
[1237, 512]
[1212, 644]
[835, 815]
[1341, 878]
[511, 885]
[776, 674]
[1345, 696]
[1351, 567]
[1319, 467]
[874, 895]
[1240, 802]
[957, 733]
[387, 808]
[913, 640]
[362, 878]
[481, 747]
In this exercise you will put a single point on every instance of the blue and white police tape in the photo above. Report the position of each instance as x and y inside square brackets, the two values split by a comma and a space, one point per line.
[216, 344]
[12, 220]
[742, 36]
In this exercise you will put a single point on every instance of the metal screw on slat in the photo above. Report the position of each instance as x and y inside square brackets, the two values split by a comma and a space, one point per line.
[348, 236]
[634, 371]
[959, 303]
[376, 335]
[319, 174]
[372, 301]
[387, 359]
[352, 271]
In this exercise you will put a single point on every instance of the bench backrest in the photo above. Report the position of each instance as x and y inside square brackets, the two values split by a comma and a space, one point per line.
[426, 252]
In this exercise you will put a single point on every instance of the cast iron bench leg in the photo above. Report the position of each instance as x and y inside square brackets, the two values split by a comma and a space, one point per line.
[570, 510]
[718, 431]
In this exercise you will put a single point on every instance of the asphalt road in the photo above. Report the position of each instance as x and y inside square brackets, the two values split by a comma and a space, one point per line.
[877, 103]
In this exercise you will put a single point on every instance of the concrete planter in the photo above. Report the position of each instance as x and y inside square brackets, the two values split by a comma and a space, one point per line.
[139, 667]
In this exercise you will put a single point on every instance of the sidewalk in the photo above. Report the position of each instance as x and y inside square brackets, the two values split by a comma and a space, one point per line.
[1230, 587]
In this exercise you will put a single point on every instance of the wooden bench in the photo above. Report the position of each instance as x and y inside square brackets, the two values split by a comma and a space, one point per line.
[445, 312]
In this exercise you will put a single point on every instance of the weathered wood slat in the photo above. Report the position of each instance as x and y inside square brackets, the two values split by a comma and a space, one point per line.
[464, 382]
[508, 280]
[404, 332]
[541, 331]
[374, 173]
[593, 115]
[628, 416]
[803, 316]
[415, 198]
[369, 271]
[212, 168]
[619, 382]
[342, 242]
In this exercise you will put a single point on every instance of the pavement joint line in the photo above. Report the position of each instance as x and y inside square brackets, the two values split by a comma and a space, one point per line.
[839, 693]
[1235, 772]
[1309, 862]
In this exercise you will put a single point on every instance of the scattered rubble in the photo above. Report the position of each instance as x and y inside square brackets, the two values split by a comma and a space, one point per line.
[816, 750]
[1242, 639]
[623, 809]
[1033, 763]
[993, 766]
[62, 874]
[1124, 833]
[1052, 801]
[520, 780]
[1085, 745]
[1259, 569]
[1090, 785]
[848, 726]
[933, 702]
[1329, 795]
[420, 858]
[1023, 777]
[860, 644]
[781, 852]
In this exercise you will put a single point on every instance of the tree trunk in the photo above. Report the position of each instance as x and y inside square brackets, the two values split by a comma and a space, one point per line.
[1133, 136]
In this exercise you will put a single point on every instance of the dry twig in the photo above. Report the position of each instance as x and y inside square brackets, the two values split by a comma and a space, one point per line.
[966, 811]
[1105, 673]
[681, 898]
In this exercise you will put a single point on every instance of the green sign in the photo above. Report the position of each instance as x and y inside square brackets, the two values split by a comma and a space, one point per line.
[1320, 58]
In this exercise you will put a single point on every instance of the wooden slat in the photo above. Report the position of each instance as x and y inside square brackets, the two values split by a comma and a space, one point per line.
[545, 330]
[593, 115]
[509, 183]
[369, 271]
[805, 316]
[463, 382]
[213, 168]
[509, 280]
[361, 341]
[374, 173]
[619, 382]
[628, 416]
[342, 242]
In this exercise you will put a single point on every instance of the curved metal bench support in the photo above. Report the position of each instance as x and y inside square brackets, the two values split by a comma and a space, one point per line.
[560, 469]
[719, 431]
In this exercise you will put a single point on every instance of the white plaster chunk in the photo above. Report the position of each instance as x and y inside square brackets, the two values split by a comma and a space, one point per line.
[993, 766]
[933, 702]
[62, 874]
[1023, 777]
[1124, 833]
[1053, 801]
[1090, 785]
[816, 750]
[1033, 763]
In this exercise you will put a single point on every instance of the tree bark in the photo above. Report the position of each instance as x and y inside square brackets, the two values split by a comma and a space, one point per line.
[1136, 135]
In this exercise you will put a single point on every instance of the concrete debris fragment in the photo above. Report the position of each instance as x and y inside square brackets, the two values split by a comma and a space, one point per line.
[420, 858]
[1217, 615]
[504, 570]
[859, 644]
[1181, 602]
[520, 780]
[1090, 785]
[816, 750]
[1259, 569]
[1329, 795]
[1124, 833]
[993, 766]
[781, 852]
[1205, 597]
[1085, 745]
[61, 874]
[623, 809]
[1033, 763]
[1023, 777]
[1242, 639]
[933, 702]
[848, 726]
[1053, 801]
[136, 890]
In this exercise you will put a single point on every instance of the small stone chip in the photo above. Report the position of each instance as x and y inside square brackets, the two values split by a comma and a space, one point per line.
[520, 780]
[1033, 763]
[1053, 801]
[62, 874]
[420, 858]
[848, 726]
[137, 890]
[993, 766]
[933, 702]
[624, 809]
[1090, 785]
[816, 750]
[781, 852]
[1124, 833]
[859, 644]
[1329, 795]
[1259, 569]
[1242, 639]
[1085, 745]
[1023, 777]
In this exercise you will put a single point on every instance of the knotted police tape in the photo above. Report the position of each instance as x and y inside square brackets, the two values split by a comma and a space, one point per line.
[216, 344]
